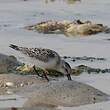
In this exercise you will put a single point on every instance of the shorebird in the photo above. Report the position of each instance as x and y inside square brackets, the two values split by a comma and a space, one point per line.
[45, 59]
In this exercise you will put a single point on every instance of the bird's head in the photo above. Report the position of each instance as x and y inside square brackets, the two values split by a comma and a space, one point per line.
[65, 68]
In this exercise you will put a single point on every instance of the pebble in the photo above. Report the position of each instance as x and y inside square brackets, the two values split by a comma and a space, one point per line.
[9, 84]
[21, 84]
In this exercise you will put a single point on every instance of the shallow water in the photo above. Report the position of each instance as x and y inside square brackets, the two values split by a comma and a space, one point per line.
[15, 14]
[8, 101]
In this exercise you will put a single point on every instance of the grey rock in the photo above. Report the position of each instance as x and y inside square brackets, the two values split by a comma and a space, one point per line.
[63, 93]
[7, 63]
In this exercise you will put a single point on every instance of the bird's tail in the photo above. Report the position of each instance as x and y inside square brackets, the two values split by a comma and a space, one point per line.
[14, 47]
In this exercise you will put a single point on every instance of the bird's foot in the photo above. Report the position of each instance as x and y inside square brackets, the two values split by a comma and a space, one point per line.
[69, 77]
[44, 75]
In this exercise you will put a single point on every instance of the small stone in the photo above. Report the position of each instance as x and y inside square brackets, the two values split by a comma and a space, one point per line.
[9, 84]
[65, 57]
[21, 84]
[73, 60]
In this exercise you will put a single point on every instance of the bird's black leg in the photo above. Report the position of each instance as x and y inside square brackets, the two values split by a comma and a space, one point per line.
[44, 73]
[37, 71]
[69, 77]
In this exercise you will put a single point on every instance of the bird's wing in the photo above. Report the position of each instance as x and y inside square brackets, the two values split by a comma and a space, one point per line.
[39, 53]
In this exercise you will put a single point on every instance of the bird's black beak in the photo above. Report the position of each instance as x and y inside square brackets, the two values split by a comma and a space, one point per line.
[69, 77]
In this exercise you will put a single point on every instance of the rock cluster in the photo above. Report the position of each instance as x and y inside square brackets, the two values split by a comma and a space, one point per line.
[67, 1]
[69, 28]
[63, 93]
[9, 83]
[27, 70]
[83, 68]
[84, 58]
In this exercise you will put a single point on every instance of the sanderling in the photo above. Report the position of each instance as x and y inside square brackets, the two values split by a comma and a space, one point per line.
[46, 59]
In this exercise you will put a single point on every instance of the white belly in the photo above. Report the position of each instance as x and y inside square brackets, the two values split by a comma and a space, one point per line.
[51, 64]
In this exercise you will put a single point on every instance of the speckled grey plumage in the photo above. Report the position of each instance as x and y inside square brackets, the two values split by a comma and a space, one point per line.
[45, 58]
[41, 54]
